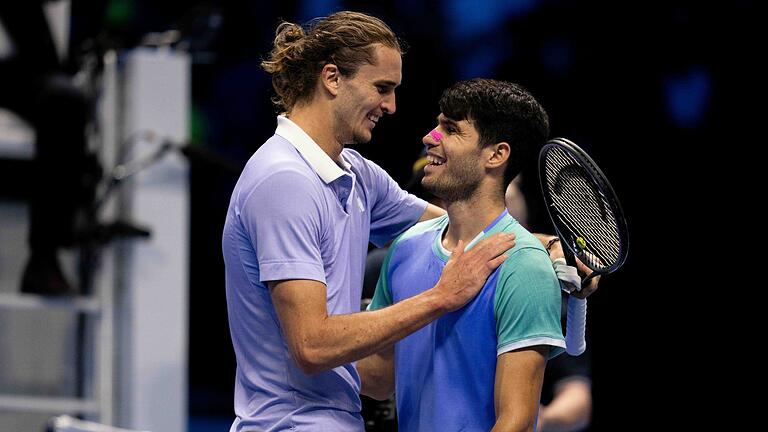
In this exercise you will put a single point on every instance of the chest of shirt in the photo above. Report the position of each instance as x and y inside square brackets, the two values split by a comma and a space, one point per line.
[415, 268]
[346, 219]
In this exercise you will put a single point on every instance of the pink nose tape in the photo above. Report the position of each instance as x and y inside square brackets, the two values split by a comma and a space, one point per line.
[437, 136]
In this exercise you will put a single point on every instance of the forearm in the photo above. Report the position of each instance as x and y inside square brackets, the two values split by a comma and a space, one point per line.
[551, 243]
[544, 238]
[341, 339]
[432, 211]
[377, 374]
[555, 251]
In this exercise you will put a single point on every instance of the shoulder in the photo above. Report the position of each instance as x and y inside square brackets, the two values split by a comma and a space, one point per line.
[276, 161]
[277, 172]
[415, 240]
[528, 259]
[421, 228]
[523, 238]
[274, 156]
[526, 244]
[362, 166]
[531, 260]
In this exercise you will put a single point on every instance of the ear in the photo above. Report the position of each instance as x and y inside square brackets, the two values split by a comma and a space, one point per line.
[330, 78]
[500, 153]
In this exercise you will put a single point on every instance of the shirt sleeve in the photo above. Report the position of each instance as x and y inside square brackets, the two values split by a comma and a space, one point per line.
[393, 210]
[527, 303]
[283, 219]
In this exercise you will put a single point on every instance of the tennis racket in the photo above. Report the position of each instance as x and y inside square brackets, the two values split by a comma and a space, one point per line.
[588, 219]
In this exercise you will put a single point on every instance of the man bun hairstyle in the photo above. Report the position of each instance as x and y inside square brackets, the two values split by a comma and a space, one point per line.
[299, 53]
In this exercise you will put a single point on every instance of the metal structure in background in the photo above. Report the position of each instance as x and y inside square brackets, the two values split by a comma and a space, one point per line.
[151, 278]
[133, 343]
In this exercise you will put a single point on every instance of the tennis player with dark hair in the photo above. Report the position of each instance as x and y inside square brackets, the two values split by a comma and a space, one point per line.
[480, 367]
[298, 226]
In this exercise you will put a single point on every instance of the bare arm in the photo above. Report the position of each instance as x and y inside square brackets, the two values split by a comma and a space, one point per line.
[319, 341]
[519, 376]
[377, 374]
[432, 211]
[570, 410]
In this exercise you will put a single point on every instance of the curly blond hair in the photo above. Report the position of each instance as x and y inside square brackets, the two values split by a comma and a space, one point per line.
[299, 53]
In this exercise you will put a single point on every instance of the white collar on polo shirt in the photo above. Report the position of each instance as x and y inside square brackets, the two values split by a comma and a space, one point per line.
[324, 166]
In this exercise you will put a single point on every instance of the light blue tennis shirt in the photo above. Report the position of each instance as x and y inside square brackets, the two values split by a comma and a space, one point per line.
[445, 372]
[297, 214]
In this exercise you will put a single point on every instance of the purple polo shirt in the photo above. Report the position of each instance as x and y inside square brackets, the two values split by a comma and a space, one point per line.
[297, 214]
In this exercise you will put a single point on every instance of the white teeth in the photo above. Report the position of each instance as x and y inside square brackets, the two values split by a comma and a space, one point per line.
[373, 118]
[434, 160]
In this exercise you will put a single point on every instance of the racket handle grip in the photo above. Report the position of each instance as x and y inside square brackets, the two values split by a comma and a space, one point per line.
[576, 325]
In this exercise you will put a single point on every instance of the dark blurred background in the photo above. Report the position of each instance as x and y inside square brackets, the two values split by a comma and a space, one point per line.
[645, 88]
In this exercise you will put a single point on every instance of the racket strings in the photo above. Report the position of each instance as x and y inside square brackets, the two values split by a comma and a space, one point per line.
[583, 209]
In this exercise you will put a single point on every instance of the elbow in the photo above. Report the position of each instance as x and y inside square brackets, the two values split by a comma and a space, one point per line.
[308, 367]
[310, 360]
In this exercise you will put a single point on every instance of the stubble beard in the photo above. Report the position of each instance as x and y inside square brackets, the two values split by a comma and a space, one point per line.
[461, 186]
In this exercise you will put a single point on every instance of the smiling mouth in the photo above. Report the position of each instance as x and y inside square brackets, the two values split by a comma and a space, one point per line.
[434, 160]
[373, 118]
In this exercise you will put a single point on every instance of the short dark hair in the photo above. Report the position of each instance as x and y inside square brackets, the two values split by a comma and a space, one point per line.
[299, 53]
[500, 111]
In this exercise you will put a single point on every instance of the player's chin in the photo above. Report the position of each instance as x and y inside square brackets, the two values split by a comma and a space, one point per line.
[363, 137]
[428, 183]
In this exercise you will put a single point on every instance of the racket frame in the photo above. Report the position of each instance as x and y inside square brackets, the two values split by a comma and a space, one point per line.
[567, 238]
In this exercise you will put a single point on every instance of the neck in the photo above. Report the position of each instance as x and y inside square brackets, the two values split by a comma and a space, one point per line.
[467, 218]
[314, 119]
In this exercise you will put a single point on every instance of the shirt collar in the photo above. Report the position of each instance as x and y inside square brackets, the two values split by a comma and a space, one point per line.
[324, 166]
